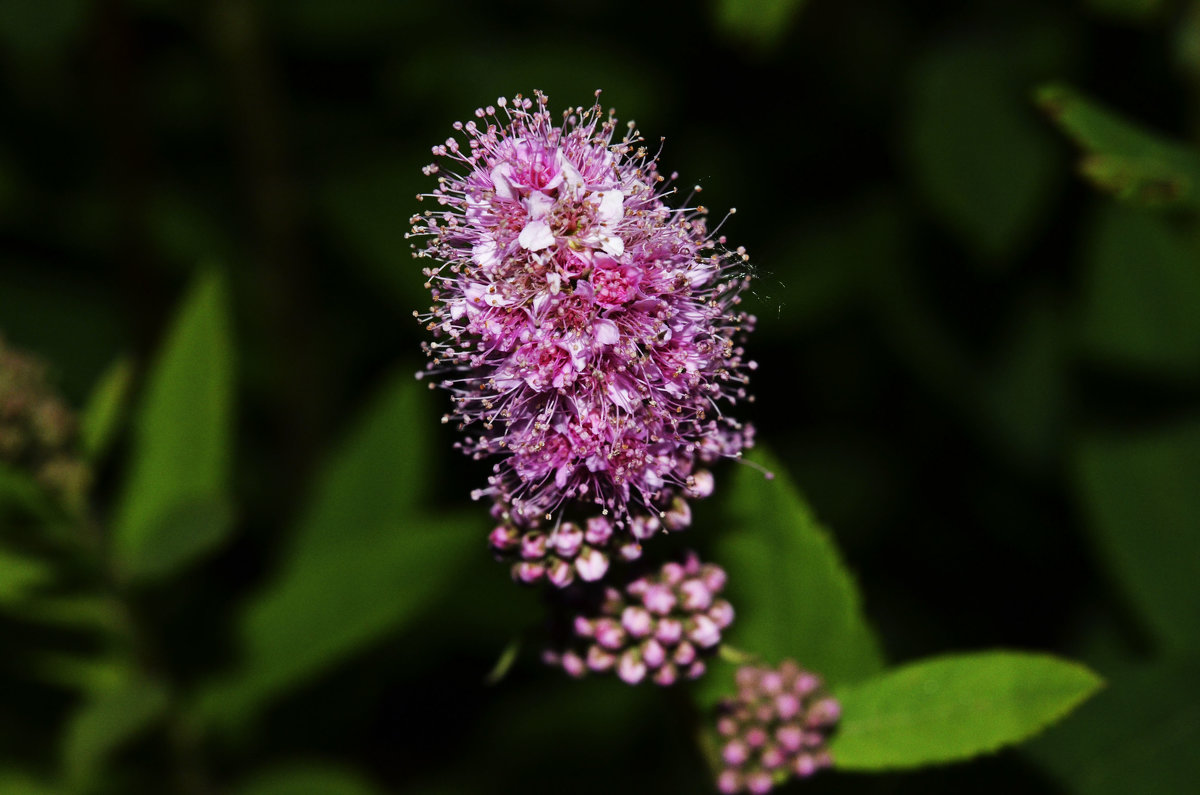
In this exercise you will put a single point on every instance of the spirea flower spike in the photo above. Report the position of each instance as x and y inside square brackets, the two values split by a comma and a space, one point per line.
[589, 334]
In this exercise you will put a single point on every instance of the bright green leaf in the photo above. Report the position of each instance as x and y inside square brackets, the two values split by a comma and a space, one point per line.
[307, 779]
[1141, 294]
[762, 21]
[1139, 736]
[1142, 503]
[175, 501]
[952, 708]
[102, 417]
[1120, 157]
[794, 596]
[977, 153]
[107, 722]
[365, 560]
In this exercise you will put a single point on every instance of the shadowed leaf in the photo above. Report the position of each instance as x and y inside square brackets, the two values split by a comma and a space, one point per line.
[1143, 506]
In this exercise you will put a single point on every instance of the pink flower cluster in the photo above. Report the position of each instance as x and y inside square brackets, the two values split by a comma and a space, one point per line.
[661, 626]
[587, 332]
[778, 725]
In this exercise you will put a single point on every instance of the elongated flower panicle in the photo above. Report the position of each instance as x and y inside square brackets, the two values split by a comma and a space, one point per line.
[661, 626]
[778, 725]
[587, 332]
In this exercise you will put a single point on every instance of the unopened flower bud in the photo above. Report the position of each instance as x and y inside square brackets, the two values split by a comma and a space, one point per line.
[778, 722]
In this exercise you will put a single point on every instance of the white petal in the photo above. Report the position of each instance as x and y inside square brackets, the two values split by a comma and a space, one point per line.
[612, 244]
[484, 254]
[536, 236]
[612, 207]
[504, 188]
[539, 205]
[606, 332]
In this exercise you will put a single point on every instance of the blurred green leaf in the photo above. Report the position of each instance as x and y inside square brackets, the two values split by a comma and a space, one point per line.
[1121, 157]
[73, 323]
[952, 708]
[1143, 506]
[174, 504]
[96, 675]
[181, 229]
[1141, 294]
[365, 559]
[41, 28]
[19, 575]
[17, 782]
[20, 491]
[1139, 735]
[90, 612]
[106, 722]
[976, 152]
[794, 596]
[762, 21]
[307, 779]
[822, 269]
[1024, 394]
[104, 411]
[1133, 10]
[367, 211]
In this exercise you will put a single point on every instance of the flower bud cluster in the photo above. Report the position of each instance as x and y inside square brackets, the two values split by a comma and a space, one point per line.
[38, 431]
[585, 549]
[660, 626]
[778, 725]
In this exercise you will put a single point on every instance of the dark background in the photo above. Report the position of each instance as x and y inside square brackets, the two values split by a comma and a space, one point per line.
[935, 333]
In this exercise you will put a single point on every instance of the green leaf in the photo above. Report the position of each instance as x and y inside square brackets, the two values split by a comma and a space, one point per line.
[105, 723]
[1130, 10]
[366, 559]
[307, 779]
[978, 155]
[1123, 158]
[763, 22]
[952, 708]
[18, 782]
[41, 29]
[175, 503]
[18, 490]
[1141, 293]
[1023, 395]
[1139, 735]
[91, 674]
[360, 205]
[21, 575]
[105, 408]
[1143, 506]
[794, 596]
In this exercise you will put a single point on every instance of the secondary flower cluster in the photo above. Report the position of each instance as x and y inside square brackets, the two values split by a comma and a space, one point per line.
[777, 725]
[661, 625]
[38, 432]
[587, 332]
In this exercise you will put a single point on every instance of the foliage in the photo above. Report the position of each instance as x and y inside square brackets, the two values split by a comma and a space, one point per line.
[979, 369]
